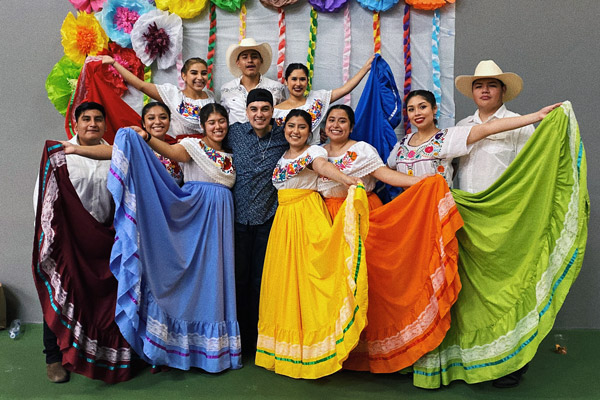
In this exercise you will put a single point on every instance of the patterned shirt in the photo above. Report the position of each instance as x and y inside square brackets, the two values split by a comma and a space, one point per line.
[255, 158]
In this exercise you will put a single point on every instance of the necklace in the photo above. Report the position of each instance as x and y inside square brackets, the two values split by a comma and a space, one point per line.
[260, 149]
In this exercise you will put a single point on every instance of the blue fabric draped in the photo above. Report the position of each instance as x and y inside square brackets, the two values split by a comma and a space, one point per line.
[173, 257]
[379, 111]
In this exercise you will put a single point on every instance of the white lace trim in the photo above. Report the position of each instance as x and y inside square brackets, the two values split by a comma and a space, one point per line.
[170, 338]
[445, 205]
[563, 245]
[120, 162]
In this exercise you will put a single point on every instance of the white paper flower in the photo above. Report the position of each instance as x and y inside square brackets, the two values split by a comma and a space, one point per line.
[158, 36]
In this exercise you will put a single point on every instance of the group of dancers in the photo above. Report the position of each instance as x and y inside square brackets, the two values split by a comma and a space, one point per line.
[248, 235]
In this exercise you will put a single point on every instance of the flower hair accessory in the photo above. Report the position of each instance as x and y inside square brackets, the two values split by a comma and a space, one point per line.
[158, 36]
[118, 17]
[88, 5]
[82, 36]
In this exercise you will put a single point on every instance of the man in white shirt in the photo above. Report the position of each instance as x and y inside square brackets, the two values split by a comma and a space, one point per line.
[489, 88]
[248, 61]
[89, 180]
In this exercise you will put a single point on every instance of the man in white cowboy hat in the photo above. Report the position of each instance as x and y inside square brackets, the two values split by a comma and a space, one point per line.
[248, 61]
[489, 88]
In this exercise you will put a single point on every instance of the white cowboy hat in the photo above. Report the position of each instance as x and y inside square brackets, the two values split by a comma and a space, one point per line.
[489, 69]
[234, 50]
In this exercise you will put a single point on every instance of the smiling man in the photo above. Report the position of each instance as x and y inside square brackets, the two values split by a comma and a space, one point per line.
[248, 61]
[256, 145]
[489, 88]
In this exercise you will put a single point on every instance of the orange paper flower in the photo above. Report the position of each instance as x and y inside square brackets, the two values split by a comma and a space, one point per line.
[428, 4]
[82, 37]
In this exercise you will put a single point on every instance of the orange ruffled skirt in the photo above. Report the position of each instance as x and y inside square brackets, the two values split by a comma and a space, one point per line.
[412, 255]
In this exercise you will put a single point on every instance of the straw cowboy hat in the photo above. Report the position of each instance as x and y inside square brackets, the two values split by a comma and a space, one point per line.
[489, 69]
[234, 50]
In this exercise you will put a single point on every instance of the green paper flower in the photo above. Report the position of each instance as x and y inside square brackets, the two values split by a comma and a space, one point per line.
[61, 83]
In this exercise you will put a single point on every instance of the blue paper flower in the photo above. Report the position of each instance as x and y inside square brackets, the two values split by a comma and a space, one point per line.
[118, 17]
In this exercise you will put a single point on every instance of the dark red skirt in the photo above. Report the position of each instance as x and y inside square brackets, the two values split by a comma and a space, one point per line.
[77, 291]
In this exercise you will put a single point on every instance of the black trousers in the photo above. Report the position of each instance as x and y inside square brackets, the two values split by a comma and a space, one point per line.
[250, 248]
[51, 349]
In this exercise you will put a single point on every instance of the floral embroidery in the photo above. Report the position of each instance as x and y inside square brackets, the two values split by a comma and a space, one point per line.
[279, 121]
[316, 111]
[429, 150]
[222, 161]
[346, 161]
[281, 173]
[172, 167]
[189, 110]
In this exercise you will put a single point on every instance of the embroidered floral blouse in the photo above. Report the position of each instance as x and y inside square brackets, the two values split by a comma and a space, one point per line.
[185, 112]
[207, 164]
[317, 104]
[360, 160]
[294, 173]
[432, 157]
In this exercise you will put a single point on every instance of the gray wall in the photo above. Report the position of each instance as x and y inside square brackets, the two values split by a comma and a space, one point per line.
[552, 44]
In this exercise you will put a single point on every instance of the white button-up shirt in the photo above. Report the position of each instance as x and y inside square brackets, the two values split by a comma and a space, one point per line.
[89, 179]
[490, 157]
[234, 94]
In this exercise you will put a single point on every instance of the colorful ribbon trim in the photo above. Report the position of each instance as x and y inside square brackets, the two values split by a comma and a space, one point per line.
[407, 63]
[281, 46]
[212, 39]
[435, 60]
[312, 44]
[347, 50]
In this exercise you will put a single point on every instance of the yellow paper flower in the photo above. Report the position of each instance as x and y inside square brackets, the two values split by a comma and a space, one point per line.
[82, 37]
[183, 8]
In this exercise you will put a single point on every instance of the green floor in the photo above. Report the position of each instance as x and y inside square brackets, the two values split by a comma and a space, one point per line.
[575, 375]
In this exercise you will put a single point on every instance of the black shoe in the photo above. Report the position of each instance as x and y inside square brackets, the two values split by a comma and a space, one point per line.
[511, 380]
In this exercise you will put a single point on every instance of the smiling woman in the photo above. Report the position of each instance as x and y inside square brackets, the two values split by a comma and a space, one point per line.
[185, 105]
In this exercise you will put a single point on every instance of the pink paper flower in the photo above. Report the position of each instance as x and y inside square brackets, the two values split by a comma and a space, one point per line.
[88, 5]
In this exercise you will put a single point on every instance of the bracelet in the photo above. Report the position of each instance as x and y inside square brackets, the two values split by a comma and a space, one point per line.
[148, 137]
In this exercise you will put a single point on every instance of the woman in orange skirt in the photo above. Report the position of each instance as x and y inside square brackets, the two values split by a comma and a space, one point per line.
[411, 254]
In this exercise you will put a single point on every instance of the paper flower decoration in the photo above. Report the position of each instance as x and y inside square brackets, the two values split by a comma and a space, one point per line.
[327, 5]
[61, 83]
[228, 5]
[87, 5]
[82, 37]
[428, 4]
[183, 8]
[158, 36]
[277, 3]
[118, 16]
[128, 59]
[378, 5]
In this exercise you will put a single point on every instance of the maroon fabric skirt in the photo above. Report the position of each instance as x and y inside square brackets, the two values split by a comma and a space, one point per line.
[77, 291]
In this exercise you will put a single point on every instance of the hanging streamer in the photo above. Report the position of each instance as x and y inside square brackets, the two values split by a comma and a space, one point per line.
[281, 46]
[347, 50]
[312, 44]
[243, 12]
[376, 33]
[212, 39]
[407, 63]
[435, 60]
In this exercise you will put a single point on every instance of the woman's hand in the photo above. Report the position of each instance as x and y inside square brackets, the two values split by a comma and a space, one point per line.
[145, 135]
[351, 180]
[107, 60]
[546, 110]
[367, 66]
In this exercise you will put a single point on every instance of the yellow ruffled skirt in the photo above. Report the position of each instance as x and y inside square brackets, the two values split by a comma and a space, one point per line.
[313, 299]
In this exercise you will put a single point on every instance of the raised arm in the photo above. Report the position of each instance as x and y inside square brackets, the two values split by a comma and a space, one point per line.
[175, 152]
[147, 88]
[323, 167]
[481, 131]
[395, 178]
[96, 152]
[352, 82]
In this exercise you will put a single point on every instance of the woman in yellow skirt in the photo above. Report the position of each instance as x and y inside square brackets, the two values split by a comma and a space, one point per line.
[313, 299]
